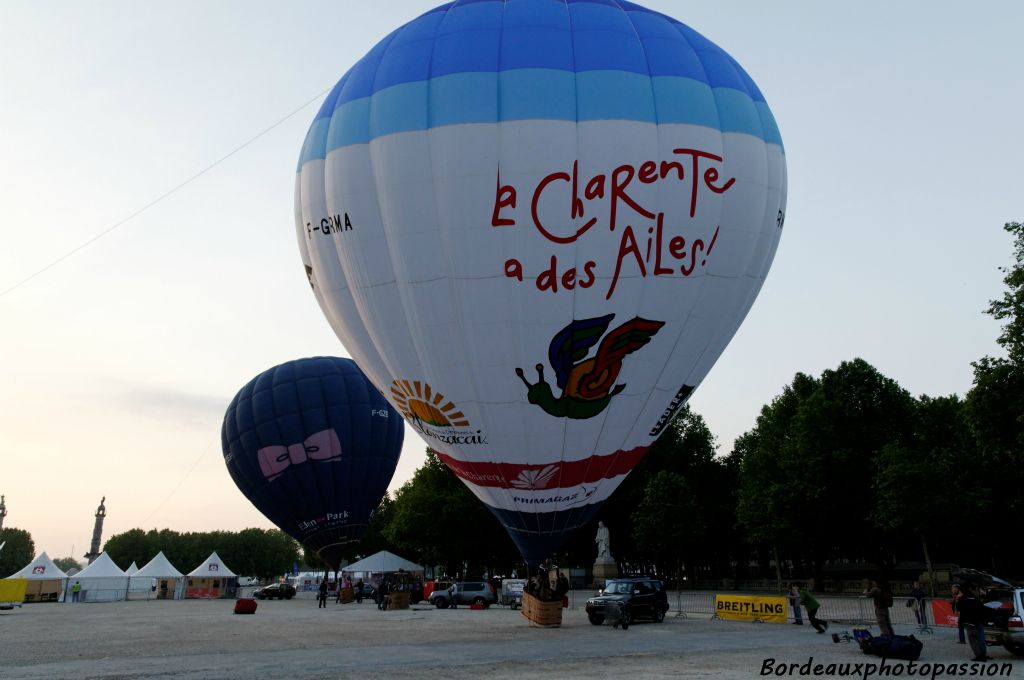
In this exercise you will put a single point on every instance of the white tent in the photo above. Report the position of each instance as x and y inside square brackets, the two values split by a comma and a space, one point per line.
[383, 562]
[211, 579]
[140, 589]
[213, 567]
[102, 581]
[41, 568]
[160, 577]
[46, 581]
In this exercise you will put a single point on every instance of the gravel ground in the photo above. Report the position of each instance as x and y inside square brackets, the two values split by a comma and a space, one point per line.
[293, 639]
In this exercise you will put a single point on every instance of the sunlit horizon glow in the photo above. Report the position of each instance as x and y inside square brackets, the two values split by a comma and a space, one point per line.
[902, 140]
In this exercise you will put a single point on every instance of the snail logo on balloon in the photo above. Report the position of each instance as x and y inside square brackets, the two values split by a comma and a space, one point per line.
[432, 415]
[587, 385]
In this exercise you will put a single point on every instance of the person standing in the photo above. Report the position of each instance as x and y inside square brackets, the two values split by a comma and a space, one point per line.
[916, 602]
[452, 592]
[954, 604]
[812, 606]
[562, 588]
[972, 615]
[880, 594]
[75, 590]
[322, 595]
[359, 591]
[794, 604]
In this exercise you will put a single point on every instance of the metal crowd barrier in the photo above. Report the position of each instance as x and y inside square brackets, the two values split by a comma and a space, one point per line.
[694, 603]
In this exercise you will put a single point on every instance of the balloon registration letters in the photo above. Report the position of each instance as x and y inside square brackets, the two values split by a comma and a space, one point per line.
[535, 226]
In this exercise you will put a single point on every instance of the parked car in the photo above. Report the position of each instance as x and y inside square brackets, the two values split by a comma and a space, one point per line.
[636, 598]
[281, 591]
[468, 592]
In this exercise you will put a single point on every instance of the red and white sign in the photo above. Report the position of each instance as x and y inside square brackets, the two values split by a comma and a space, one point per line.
[943, 614]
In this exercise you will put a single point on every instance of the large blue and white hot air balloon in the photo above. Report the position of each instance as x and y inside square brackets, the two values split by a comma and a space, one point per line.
[536, 224]
[313, 445]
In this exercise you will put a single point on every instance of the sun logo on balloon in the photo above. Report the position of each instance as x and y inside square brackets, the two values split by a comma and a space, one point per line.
[587, 385]
[423, 406]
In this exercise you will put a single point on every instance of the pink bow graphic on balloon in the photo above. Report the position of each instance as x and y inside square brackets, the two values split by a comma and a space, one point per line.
[323, 446]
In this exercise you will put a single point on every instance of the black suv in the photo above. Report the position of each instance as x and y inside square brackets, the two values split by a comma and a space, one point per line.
[636, 597]
[281, 591]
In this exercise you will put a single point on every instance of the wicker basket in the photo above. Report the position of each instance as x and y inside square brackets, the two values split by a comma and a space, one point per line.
[398, 600]
[540, 613]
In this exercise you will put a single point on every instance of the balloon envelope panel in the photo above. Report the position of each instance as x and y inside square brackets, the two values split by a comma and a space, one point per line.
[536, 224]
[313, 445]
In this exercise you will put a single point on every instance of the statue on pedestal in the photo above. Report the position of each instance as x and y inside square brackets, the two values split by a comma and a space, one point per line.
[604, 566]
[97, 532]
[604, 543]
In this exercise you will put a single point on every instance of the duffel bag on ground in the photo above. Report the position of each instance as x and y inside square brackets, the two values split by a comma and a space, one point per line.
[904, 647]
[245, 606]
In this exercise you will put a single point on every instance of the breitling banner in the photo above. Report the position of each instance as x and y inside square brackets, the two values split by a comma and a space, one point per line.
[751, 608]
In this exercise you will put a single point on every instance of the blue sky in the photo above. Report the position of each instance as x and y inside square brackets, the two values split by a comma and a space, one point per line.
[903, 137]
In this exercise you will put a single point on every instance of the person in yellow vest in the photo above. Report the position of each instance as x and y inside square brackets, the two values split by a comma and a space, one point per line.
[75, 590]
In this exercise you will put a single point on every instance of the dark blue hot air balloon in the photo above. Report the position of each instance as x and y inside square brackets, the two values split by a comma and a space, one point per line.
[314, 446]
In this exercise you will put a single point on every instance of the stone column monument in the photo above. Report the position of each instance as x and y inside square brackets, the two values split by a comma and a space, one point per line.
[97, 532]
[604, 566]
[3, 511]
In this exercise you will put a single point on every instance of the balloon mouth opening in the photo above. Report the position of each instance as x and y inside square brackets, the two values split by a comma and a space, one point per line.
[330, 545]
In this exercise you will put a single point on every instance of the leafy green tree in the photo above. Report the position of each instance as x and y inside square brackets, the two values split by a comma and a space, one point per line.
[1010, 307]
[67, 563]
[909, 475]
[845, 423]
[130, 546]
[809, 464]
[251, 552]
[995, 405]
[668, 522]
[769, 502]
[18, 552]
